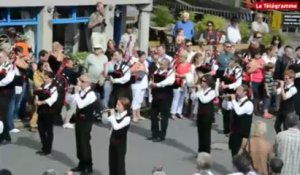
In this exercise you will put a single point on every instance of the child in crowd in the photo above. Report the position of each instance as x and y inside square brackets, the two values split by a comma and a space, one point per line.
[270, 87]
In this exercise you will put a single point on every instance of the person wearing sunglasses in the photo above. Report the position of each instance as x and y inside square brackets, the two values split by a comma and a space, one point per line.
[205, 94]
[287, 90]
[86, 101]
[210, 36]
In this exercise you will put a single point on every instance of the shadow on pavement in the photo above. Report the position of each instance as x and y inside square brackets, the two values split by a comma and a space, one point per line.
[169, 141]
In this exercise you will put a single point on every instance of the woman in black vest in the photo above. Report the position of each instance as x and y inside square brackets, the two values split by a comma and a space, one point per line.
[46, 98]
[120, 122]
[288, 93]
[205, 93]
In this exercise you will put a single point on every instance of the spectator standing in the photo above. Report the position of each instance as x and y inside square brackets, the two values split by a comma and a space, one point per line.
[210, 36]
[270, 55]
[94, 66]
[259, 25]
[186, 25]
[161, 50]
[189, 49]
[97, 26]
[277, 43]
[296, 68]
[270, 87]
[287, 146]
[110, 49]
[224, 58]
[128, 41]
[233, 31]
[283, 62]
[259, 148]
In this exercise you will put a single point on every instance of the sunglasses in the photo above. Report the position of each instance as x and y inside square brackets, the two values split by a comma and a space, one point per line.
[203, 80]
[228, 46]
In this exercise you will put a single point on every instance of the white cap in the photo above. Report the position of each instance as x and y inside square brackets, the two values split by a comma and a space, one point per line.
[1, 127]
[98, 46]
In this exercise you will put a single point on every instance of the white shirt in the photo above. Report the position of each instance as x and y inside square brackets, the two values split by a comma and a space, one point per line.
[249, 173]
[233, 34]
[52, 99]
[267, 59]
[113, 120]
[142, 84]
[247, 107]
[238, 77]
[126, 76]
[89, 98]
[168, 57]
[290, 93]
[259, 27]
[205, 96]
[190, 56]
[9, 76]
[168, 81]
[125, 39]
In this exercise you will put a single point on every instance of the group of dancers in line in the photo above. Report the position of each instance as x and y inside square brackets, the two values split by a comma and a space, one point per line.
[215, 78]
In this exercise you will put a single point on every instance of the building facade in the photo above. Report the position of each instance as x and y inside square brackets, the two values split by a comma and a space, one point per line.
[66, 20]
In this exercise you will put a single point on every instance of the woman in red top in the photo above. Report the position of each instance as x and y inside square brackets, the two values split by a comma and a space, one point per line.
[182, 69]
[256, 72]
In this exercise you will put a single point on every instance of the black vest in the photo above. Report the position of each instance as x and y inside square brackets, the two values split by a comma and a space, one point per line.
[42, 95]
[241, 124]
[231, 77]
[161, 92]
[10, 86]
[296, 69]
[87, 113]
[287, 106]
[206, 109]
[119, 136]
[19, 79]
[118, 73]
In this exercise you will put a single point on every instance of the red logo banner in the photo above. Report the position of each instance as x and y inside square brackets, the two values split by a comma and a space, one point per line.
[277, 5]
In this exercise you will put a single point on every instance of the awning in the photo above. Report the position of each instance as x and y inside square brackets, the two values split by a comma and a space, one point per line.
[208, 7]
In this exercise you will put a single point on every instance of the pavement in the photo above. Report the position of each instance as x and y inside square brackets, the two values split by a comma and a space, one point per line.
[176, 154]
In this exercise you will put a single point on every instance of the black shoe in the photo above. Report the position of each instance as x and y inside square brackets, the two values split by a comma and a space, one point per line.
[151, 138]
[77, 169]
[4, 142]
[45, 153]
[87, 171]
[39, 152]
[158, 139]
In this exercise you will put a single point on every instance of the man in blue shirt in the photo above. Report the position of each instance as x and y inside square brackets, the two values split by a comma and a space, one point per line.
[224, 58]
[186, 25]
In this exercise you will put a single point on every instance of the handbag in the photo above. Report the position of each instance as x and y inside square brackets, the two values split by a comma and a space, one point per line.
[247, 154]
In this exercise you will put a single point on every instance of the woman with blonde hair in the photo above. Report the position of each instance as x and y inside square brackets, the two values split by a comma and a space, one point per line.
[258, 147]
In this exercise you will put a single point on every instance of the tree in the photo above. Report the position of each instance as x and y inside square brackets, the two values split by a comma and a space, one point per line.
[162, 16]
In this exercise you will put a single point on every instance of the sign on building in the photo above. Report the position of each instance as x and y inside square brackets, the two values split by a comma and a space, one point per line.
[291, 19]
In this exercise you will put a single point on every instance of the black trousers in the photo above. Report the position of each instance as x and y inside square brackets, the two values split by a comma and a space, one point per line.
[227, 114]
[204, 123]
[235, 142]
[162, 107]
[117, 93]
[83, 130]
[45, 128]
[116, 158]
[5, 97]
[280, 121]
[297, 102]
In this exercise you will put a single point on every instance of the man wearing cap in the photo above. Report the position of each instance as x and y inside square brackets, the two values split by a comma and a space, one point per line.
[97, 25]
[186, 25]
[94, 66]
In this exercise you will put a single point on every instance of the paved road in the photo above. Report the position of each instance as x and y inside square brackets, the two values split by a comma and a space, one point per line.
[176, 154]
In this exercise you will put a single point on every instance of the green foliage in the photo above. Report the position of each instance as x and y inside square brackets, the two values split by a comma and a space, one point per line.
[219, 22]
[245, 30]
[79, 57]
[192, 16]
[162, 16]
[267, 38]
